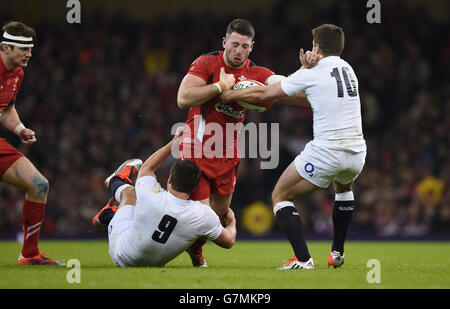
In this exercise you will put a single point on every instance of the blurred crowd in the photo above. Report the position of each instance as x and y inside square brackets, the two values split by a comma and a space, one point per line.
[103, 91]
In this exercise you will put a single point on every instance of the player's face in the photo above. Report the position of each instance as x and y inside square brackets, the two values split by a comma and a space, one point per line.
[237, 48]
[19, 56]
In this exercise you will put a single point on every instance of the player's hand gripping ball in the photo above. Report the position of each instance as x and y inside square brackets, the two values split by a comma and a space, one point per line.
[252, 107]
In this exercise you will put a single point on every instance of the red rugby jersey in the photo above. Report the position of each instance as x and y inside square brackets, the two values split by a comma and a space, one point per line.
[10, 81]
[204, 118]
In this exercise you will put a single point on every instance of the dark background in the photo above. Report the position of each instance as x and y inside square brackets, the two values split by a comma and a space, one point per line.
[103, 91]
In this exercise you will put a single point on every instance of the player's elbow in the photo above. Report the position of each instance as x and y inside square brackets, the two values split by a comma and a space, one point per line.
[227, 239]
[182, 103]
[228, 244]
[231, 238]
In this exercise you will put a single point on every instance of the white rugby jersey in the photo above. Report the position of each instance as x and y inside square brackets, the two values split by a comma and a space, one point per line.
[332, 90]
[164, 225]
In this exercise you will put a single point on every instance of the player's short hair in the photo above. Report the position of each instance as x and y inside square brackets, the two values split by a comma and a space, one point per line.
[242, 27]
[17, 28]
[185, 176]
[330, 39]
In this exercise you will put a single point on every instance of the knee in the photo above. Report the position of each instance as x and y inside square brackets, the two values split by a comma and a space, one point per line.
[279, 196]
[128, 196]
[342, 188]
[274, 197]
[39, 187]
[338, 188]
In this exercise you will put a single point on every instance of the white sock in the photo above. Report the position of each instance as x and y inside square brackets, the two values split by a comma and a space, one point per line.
[345, 196]
[280, 205]
[119, 191]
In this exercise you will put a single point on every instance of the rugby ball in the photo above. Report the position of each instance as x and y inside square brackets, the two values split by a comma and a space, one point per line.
[252, 107]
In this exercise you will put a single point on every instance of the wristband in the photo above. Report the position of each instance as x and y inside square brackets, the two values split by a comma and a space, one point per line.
[19, 128]
[218, 87]
[221, 86]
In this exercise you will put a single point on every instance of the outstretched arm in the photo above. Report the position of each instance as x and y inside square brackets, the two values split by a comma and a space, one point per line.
[296, 100]
[154, 162]
[273, 91]
[254, 94]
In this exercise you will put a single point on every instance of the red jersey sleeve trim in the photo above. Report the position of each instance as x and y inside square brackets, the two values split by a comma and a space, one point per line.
[198, 75]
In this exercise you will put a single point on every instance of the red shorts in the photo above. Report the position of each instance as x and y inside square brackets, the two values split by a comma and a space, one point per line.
[8, 155]
[222, 185]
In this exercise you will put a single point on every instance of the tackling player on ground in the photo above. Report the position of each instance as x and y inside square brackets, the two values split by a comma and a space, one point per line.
[15, 50]
[337, 152]
[152, 226]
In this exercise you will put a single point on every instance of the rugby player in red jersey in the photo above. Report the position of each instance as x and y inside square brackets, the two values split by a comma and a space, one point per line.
[208, 76]
[15, 169]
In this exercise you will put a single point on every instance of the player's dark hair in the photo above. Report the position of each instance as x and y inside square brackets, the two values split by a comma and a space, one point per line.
[185, 176]
[242, 27]
[330, 39]
[17, 28]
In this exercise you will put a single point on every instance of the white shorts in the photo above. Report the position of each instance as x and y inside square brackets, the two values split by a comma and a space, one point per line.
[118, 233]
[321, 165]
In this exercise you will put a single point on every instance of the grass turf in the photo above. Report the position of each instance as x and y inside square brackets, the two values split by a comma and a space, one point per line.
[248, 265]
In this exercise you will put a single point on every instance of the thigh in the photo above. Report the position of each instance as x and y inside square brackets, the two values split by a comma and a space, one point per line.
[118, 227]
[202, 191]
[318, 165]
[23, 174]
[291, 185]
[220, 203]
[225, 184]
[353, 164]
[8, 156]
[222, 189]
[121, 221]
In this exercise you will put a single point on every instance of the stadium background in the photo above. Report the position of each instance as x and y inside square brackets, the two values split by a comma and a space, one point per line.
[100, 92]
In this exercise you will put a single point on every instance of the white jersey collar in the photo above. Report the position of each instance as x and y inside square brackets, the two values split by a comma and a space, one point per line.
[329, 59]
[178, 199]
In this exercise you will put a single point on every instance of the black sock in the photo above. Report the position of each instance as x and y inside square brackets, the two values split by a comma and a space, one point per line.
[291, 224]
[114, 184]
[342, 215]
[106, 216]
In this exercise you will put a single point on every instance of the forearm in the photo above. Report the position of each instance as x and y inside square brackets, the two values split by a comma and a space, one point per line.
[296, 100]
[197, 95]
[154, 162]
[231, 232]
[251, 95]
[10, 119]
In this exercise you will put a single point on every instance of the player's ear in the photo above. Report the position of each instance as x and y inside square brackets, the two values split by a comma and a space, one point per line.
[316, 48]
[169, 183]
[251, 45]
[6, 48]
[224, 42]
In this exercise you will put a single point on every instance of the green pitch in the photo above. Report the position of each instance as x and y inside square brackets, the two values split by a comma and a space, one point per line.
[248, 265]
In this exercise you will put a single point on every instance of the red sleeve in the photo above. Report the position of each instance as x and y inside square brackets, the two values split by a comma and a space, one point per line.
[264, 74]
[202, 67]
[10, 88]
[19, 82]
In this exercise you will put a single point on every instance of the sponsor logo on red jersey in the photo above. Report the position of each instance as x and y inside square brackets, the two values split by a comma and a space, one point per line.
[229, 110]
